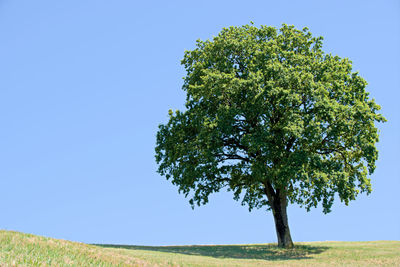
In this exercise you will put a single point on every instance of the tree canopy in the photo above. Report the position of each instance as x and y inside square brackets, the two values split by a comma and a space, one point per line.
[269, 115]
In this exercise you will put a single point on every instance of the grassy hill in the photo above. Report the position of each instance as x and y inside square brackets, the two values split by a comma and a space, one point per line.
[20, 249]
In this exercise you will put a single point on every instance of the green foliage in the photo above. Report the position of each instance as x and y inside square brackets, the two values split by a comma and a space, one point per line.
[267, 106]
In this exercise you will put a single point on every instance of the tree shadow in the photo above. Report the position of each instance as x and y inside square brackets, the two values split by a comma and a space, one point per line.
[262, 251]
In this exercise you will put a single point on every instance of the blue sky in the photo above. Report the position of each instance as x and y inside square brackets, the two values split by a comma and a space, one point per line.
[84, 85]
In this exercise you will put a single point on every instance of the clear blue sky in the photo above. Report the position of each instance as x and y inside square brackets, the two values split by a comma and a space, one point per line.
[84, 85]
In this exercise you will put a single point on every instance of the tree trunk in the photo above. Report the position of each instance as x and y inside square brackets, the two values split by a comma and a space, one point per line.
[278, 203]
[281, 222]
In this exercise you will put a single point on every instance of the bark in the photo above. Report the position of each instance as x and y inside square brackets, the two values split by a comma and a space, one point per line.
[278, 202]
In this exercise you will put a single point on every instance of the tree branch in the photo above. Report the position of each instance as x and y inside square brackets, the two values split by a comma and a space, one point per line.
[269, 191]
[231, 156]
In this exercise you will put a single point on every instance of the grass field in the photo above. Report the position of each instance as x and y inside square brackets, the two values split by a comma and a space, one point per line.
[18, 249]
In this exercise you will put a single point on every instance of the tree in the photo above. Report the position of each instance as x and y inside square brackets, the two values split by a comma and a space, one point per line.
[274, 119]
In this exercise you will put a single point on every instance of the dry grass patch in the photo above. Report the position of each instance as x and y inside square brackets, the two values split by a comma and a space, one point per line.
[26, 250]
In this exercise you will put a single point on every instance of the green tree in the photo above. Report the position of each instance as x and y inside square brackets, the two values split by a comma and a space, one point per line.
[272, 118]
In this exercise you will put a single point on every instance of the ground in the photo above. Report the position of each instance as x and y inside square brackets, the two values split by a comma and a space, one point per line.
[19, 249]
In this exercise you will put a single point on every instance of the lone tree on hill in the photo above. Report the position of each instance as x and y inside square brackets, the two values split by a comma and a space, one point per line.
[272, 118]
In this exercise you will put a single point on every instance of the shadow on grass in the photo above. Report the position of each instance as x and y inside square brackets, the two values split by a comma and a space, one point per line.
[262, 252]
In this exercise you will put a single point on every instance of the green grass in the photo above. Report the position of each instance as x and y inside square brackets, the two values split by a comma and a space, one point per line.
[29, 250]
